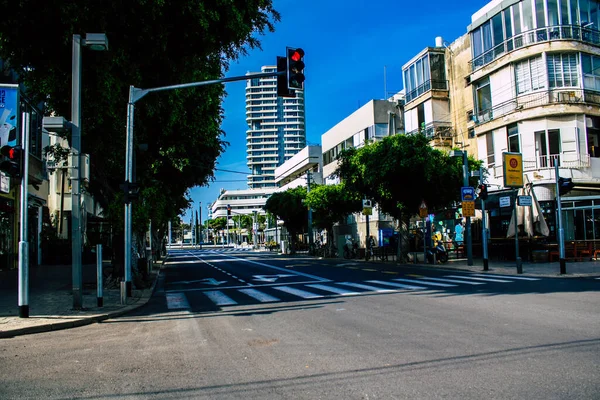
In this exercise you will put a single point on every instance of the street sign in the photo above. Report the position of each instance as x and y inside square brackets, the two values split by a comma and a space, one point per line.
[467, 193]
[524, 201]
[423, 210]
[468, 208]
[513, 169]
[505, 201]
[4, 183]
[367, 204]
[367, 211]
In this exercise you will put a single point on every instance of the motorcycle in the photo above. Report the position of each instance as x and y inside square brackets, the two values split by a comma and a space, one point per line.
[440, 252]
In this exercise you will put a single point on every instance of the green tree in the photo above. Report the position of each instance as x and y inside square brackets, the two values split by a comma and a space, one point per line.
[151, 43]
[289, 207]
[331, 204]
[401, 171]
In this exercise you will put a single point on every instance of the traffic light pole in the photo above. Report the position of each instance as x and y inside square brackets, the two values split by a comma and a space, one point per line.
[468, 222]
[23, 245]
[136, 94]
[561, 231]
[484, 237]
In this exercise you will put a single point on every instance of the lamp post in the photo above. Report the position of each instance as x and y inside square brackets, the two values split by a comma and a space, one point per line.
[468, 239]
[95, 41]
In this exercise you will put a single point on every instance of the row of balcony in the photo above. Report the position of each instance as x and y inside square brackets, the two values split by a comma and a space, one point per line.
[537, 99]
[548, 163]
[435, 128]
[550, 33]
[426, 87]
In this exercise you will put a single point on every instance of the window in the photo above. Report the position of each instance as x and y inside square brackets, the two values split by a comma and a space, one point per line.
[489, 140]
[483, 96]
[512, 132]
[530, 75]
[591, 71]
[562, 70]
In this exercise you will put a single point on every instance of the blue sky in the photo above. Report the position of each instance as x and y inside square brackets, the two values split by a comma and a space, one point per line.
[347, 44]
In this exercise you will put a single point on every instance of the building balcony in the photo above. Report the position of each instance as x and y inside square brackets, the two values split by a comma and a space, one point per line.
[537, 99]
[547, 34]
[424, 88]
[435, 129]
[546, 164]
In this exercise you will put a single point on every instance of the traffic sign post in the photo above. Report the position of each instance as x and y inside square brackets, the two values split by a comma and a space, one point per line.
[423, 210]
[468, 208]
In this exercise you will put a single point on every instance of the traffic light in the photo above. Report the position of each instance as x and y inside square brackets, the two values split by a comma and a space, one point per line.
[565, 185]
[282, 85]
[483, 192]
[12, 163]
[295, 68]
[131, 191]
[228, 210]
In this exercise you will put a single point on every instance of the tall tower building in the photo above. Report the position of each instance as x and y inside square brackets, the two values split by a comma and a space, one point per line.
[275, 129]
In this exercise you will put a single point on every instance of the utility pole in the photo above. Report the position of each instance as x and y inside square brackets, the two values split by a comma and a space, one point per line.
[561, 231]
[518, 259]
[468, 222]
[310, 235]
[484, 230]
[201, 230]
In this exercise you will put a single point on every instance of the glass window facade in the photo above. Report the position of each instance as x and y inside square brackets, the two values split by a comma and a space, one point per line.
[426, 73]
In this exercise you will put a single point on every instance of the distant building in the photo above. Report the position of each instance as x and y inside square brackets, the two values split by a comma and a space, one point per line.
[242, 202]
[275, 129]
[295, 172]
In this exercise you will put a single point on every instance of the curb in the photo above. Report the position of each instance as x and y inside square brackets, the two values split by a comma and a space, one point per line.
[142, 301]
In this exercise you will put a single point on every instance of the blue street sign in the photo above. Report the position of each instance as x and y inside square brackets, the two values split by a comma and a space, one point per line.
[467, 193]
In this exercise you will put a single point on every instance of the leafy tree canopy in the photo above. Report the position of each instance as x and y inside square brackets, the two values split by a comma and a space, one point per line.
[400, 171]
[152, 43]
[289, 206]
[331, 204]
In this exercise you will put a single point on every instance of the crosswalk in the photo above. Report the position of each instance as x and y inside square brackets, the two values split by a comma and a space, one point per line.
[317, 290]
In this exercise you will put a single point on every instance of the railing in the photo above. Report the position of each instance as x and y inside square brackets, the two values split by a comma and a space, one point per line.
[441, 128]
[550, 33]
[537, 99]
[425, 87]
[549, 162]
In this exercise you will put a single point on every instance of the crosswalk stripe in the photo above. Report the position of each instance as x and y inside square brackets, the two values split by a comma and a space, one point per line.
[424, 282]
[453, 281]
[333, 289]
[219, 298]
[478, 279]
[176, 301]
[260, 296]
[367, 287]
[297, 292]
[398, 285]
[522, 278]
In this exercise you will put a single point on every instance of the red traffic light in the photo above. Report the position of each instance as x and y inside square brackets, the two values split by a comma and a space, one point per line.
[297, 55]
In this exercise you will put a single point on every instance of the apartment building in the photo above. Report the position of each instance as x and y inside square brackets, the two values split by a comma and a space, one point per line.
[275, 129]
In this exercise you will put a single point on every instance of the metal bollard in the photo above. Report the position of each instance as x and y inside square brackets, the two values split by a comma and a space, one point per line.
[123, 292]
[99, 282]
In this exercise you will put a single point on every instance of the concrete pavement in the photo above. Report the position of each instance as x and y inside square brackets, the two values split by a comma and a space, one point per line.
[51, 300]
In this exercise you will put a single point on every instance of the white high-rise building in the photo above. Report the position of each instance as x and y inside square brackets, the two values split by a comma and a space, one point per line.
[275, 129]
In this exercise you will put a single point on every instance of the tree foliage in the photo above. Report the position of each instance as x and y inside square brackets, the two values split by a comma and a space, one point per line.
[401, 171]
[331, 204]
[289, 206]
[152, 43]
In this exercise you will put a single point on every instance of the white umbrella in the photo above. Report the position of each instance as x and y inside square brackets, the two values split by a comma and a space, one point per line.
[531, 218]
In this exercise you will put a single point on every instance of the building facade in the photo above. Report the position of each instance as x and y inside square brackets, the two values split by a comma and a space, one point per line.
[276, 129]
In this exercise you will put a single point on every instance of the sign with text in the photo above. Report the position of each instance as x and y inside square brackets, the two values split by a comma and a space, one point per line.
[4, 183]
[513, 169]
[468, 208]
[524, 201]
[423, 210]
[505, 201]
[467, 193]
[9, 102]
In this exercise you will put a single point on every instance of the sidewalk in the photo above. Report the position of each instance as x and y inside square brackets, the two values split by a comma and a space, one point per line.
[51, 300]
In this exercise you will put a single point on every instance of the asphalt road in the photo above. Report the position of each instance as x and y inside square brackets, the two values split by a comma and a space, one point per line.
[230, 325]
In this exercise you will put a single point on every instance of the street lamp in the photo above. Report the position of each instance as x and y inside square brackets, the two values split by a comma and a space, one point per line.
[465, 161]
[95, 41]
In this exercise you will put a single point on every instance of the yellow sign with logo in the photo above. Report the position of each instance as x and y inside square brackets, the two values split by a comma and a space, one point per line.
[367, 211]
[513, 169]
[423, 210]
[468, 208]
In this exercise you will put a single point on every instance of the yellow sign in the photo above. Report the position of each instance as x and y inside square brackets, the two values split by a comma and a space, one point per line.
[468, 208]
[367, 211]
[423, 210]
[513, 169]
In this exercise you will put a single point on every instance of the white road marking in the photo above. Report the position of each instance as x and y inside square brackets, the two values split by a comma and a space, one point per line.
[367, 287]
[424, 282]
[258, 295]
[177, 301]
[399, 285]
[343, 292]
[522, 278]
[453, 281]
[219, 298]
[297, 292]
[478, 279]
[285, 270]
